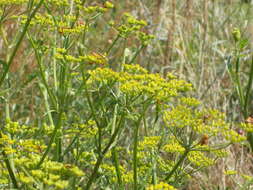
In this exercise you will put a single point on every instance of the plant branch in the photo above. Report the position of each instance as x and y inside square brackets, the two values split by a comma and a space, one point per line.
[20, 39]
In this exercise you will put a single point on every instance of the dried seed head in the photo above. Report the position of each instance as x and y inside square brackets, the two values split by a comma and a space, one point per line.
[249, 120]
[204, 140]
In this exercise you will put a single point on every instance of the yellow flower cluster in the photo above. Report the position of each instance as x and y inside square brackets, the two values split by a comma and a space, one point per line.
[145, 38]
[94, 9]
[41, 19]
[5, 140]
[248, 127]
[31, 146]
[109, 171]
[199, 159]
[230, 172]
[75, 30]
[58, 3]
[127, 176]
[20, 145]
[57, 23]
[92, 58]
[133, 21]
[149, 142]
[130, 26]
[165, 165]
[47, 129]
[26, 154]
[133, 84]
[6, 144]
[50, 174]
[247, 177]
[134, 69]
[95, 58]
[220, 153]
[12, 2]
[108, 5]
[160, 186]
[86, 131]
[188, 101]
[209, 122]
[181, 117]
[14, 128]
[234, 136]
[173, 146]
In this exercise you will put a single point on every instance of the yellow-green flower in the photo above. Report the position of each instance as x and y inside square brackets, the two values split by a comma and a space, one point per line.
[199, 159]
[160, 186]
[230, 172]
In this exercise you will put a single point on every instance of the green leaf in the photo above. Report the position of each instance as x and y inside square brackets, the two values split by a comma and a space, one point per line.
[243, 43]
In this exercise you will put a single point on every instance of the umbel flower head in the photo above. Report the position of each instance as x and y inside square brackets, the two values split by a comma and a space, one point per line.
[161, 186]
[135, 80]
[207, 122]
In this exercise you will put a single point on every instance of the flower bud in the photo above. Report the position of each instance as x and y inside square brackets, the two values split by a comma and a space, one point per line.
[236, 34]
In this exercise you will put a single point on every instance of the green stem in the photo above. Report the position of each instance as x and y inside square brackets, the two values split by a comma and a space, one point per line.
[114, 152]
[42, 74]
[238, 83]
[135, 151]
[52, 139]
[177, 164]
[154, 175]
[74, 139]
[95, 118]
[10, 171]
[20, 39]
[113, 43]
[116, 164]
[136, 54]
[246, 103]
[135, 156]
[101, 156]
[248, 89]
[9, 168]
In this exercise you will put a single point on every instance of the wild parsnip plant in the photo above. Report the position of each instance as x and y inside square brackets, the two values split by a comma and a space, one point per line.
[236, 65]
[101, 121]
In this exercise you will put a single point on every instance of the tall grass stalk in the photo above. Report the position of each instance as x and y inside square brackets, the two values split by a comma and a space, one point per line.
[19, 41]
[203, 45]
[188, 15]
[168, 51]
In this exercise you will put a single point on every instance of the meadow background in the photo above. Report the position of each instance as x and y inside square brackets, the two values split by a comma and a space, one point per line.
[207, 43]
